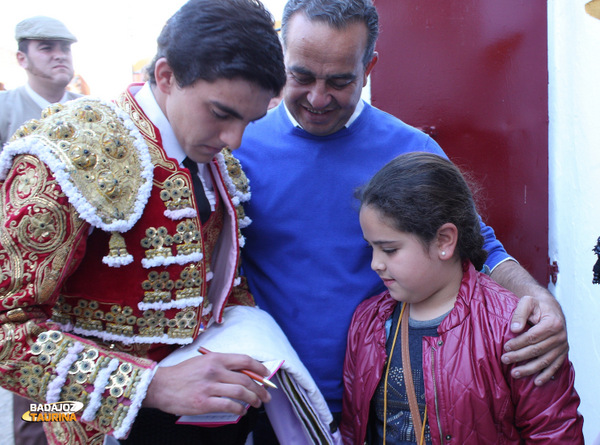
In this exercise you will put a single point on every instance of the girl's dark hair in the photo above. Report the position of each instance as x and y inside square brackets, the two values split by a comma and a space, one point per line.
[420, 192]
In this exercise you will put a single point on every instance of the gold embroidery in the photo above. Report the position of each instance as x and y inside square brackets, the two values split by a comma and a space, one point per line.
[37, 231]
[93, 316]
[26, 182]
[176, 193]
[60, 130]
[29, 180]
[120, 320]
[236, 174]
[52, 109]
[116, 246]
[188, 238]
[49, 349]
[185, 322]
[81, 379]
[12, 349]
[47, 279]
[84, 371]
[152, 324]
[37, 235]
[132, 109]
[88, 114]
[158, 241]
[26, 129]
[98, 152]
[158, 287]
[157, 154]
[73, 433]
[121, 379]
[189, 283]
[83, 158]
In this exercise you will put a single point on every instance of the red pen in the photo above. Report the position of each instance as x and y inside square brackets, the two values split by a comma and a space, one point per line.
[253, 375]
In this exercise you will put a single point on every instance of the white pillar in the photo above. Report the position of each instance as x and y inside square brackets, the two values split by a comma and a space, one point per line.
[574, 189]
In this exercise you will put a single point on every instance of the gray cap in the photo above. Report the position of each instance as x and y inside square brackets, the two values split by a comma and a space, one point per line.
[43, 28]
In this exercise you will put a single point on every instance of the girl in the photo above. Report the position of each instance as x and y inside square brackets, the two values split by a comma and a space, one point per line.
[428, 370]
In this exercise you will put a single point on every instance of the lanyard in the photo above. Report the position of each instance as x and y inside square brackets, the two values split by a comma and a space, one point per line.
[410, 387]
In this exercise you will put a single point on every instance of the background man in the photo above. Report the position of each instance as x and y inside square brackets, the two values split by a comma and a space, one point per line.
[304, 257]
[120, 226]
[44, 51]
[45, 55]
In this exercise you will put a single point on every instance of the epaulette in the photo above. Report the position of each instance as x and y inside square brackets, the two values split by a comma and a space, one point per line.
[237, 183]
[96, 154]
[100, 161]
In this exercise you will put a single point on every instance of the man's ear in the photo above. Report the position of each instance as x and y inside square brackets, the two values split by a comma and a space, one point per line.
[370, 66]
[446, 239]
[22, 59]
[164, 75]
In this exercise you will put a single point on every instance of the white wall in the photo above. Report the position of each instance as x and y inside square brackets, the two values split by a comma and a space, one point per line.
[574, 193]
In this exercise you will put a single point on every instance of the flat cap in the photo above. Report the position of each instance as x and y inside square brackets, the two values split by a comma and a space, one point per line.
[43, 28]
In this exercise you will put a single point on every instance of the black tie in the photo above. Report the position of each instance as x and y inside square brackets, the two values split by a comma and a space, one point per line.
[201, 199]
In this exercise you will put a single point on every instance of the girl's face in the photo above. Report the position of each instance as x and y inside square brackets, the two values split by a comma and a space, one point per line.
[412, 272]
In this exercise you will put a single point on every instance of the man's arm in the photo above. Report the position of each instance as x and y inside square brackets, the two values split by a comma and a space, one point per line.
[545, 344]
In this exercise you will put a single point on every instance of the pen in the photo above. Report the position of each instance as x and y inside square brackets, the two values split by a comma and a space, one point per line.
[253, 375]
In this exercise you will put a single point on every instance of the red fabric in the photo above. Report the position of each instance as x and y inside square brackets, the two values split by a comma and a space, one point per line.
[123, 285]
[52, 267]
[471, 397]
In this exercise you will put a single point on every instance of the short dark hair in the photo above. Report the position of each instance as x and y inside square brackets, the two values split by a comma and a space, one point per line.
[338, 14]
[418, 193]
[213, 39]
[23, 45]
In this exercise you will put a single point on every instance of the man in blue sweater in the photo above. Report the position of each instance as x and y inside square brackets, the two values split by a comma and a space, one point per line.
[304, 257]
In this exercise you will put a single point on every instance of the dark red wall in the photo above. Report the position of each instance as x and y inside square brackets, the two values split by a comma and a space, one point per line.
[476, 71]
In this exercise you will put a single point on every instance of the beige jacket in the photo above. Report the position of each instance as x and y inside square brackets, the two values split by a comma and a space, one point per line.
[17, 107]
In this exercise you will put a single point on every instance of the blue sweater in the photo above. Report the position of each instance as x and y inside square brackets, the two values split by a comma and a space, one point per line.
[305, 258]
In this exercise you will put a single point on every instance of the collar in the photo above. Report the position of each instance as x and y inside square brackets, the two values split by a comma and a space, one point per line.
[146, 100]
[39, 100]
[359, 108]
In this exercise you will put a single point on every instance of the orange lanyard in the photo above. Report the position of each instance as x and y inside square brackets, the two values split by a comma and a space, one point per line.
[410, 387]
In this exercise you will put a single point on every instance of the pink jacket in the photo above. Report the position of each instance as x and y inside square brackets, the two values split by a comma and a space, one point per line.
[471, 397]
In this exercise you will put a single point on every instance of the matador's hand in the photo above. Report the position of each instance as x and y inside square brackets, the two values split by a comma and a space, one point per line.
[206, 384]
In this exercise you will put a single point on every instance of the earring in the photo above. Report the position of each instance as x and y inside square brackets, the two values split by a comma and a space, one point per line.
[443, 253]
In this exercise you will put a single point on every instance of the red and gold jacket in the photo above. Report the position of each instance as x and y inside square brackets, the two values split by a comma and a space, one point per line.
[105, 266]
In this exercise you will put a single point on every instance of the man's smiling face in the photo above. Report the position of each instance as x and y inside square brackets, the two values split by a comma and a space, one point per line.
[325, 73]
